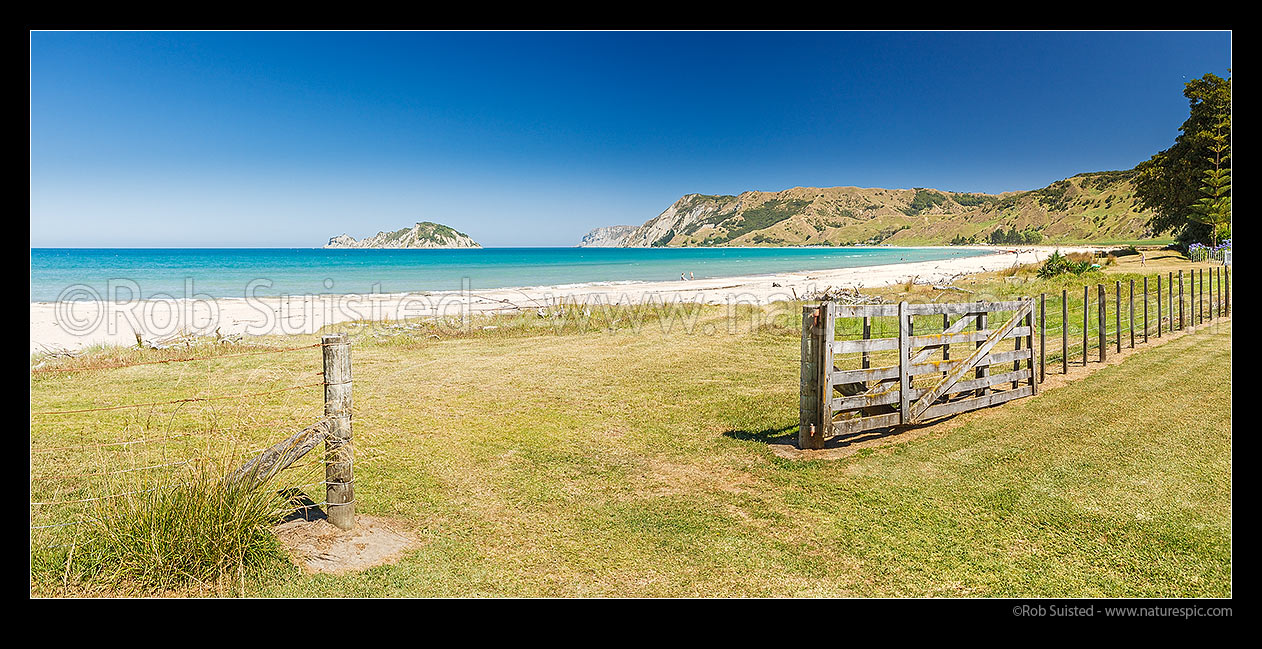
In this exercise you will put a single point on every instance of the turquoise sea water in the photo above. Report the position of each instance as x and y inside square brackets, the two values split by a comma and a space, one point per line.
[79, 273]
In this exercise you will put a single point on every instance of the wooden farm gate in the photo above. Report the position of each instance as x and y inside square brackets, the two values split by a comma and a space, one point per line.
[916, 377]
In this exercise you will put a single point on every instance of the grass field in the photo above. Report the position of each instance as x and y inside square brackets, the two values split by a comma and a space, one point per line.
[634, 458]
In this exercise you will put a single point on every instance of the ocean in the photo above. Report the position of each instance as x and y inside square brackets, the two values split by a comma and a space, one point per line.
[129, 273]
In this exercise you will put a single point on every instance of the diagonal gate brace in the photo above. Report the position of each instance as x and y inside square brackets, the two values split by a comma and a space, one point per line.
[958, 372]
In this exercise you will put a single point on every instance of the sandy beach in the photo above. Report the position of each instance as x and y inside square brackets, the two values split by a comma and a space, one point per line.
[76, 325]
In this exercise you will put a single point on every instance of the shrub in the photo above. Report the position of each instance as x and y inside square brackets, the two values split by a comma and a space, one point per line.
[1058, 264]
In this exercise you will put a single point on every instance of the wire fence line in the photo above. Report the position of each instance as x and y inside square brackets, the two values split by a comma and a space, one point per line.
[62, 496]
[53, 370]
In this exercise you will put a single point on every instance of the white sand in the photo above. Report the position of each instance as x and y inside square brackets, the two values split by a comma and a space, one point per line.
[74, 325]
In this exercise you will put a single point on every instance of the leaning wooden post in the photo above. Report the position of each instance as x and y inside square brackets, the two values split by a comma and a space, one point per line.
[1130, 320]
[1146, 307]
[339, 474]
[808, 404]
[904, 362]
[1042, 336]
[1085, 321]
[1064, 331]
[1101, 301]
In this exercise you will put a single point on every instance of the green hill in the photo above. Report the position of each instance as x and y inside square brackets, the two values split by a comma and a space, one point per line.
[1097, 206]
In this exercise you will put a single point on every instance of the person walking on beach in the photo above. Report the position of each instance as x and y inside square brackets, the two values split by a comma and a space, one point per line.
[690, 275]
[681, 277]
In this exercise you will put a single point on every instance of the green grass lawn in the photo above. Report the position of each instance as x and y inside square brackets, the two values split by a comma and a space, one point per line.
[634, 461]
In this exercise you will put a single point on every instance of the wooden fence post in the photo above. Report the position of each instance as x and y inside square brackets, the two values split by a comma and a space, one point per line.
[1117, 312]
[1227, 289]
[1159, 316]
[339, 450]
[946, 348]
[904, 360]
[867, 335]
[1042, 336]
[809, 392]
[1180, 299]
[1146, 307]
[1130, 320]
[1064, 331]
[1102, 301]
[1086, 319]
[1219, 270]
[1200, 296]
[1170, 300]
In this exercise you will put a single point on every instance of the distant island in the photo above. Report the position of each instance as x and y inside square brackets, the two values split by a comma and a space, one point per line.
[1097, 206]
[425, 234]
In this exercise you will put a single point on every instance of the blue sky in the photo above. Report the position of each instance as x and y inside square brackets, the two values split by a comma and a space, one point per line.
[285, 139]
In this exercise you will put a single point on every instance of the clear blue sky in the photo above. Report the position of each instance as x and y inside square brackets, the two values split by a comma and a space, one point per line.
[285, 139]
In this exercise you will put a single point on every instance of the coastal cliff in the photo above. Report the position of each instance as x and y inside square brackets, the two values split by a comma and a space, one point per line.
[1099, 206]
[422, 235]
[612, 236]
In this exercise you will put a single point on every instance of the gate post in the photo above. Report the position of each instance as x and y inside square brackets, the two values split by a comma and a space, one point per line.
[904, 359]
[815, 408]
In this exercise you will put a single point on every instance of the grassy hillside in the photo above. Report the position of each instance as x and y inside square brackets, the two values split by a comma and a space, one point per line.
[1090, 207]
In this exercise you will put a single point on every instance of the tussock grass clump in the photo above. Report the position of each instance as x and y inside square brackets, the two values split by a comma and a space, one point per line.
[191, 529]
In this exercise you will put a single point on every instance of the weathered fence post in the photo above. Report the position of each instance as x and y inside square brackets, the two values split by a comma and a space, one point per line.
[1200, 296]
[867, 335]
[1159, 314]
[1085, 321]
[904, 361]
[946, 347]
[1100, 307]
[1064, 331]
[1219, 270]
[1180, 299]
[1042, 336]
[1170, 300]
[1117, 312]
[810, 424]
[339, 475]
[1227, 289]
[1146, 307]
[1130, 320]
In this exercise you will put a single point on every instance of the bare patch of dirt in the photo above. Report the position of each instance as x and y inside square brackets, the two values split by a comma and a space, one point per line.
[319, 546]
[838, 448]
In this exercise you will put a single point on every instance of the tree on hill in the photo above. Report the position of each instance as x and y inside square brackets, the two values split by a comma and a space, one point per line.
[1173, 182]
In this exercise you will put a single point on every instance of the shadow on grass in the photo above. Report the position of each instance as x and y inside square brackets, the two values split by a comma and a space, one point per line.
[302, 507]
[787, 435]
